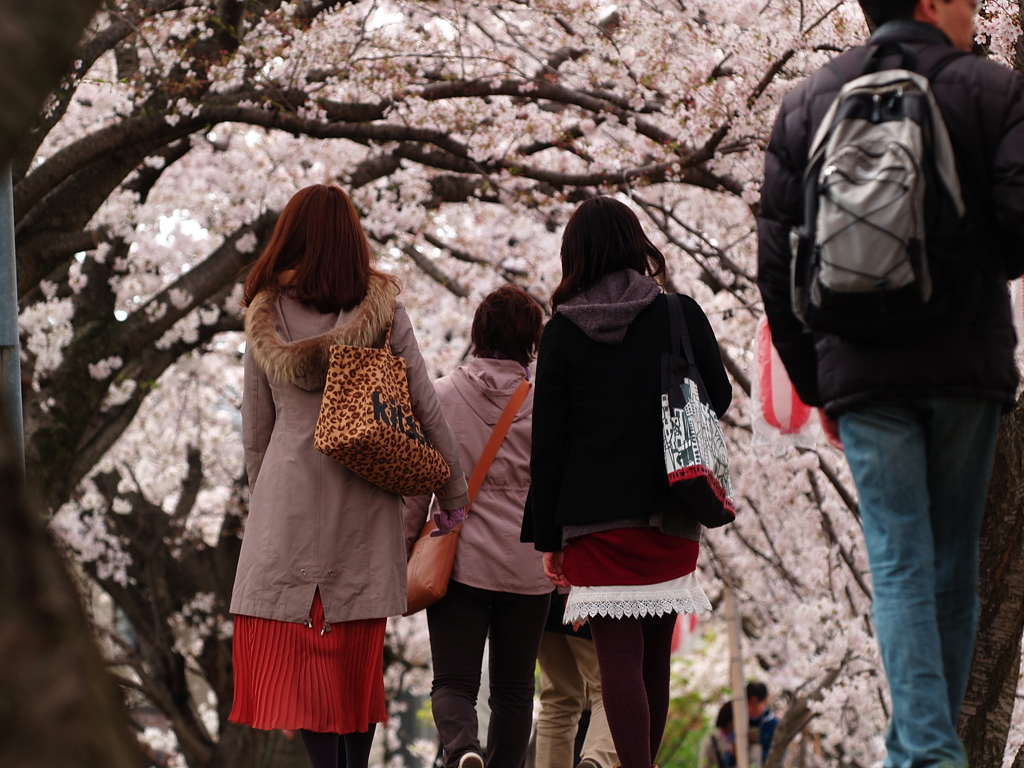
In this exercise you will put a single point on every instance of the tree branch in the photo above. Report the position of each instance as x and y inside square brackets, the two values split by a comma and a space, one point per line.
[830, 531]
[432, 270]
[798, 716]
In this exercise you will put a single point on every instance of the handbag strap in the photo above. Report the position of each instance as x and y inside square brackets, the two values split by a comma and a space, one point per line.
[678, 331]
[483, 464]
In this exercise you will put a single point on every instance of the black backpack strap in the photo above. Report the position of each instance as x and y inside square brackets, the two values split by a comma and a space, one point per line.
[678, 332]
[941, 64]
[718, 753]
[908, 58]
[843, 79]
[875, 53]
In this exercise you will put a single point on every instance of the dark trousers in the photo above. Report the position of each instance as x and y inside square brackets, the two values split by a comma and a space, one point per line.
[459, 624]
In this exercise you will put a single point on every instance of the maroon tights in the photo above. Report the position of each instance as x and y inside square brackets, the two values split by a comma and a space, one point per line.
[633, 655]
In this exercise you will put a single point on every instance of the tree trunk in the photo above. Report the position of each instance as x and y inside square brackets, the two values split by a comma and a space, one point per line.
[243, 746]
[991, 688]
[58, 706]
[36, 39]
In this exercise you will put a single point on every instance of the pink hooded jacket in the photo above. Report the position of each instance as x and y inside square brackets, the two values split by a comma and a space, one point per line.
[489, 554]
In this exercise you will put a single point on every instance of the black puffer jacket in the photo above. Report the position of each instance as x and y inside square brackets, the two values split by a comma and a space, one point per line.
[970, 351]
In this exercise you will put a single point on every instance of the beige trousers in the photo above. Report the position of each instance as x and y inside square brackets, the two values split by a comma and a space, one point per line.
[569, 678]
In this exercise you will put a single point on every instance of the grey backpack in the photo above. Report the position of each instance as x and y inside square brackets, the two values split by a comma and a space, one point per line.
[860, 264]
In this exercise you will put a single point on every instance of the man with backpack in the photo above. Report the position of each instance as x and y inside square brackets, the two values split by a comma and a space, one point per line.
[891, 219]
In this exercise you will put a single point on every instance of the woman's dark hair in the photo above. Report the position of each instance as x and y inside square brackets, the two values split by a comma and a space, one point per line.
[724, 719]
[881, 11]
[319, 236]
[602, 236]
[507, 322]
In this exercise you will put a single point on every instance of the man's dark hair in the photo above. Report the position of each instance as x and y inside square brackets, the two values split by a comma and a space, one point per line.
[881, 11]
[757, 691]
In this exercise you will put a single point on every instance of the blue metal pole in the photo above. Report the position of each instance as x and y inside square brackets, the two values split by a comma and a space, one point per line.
[10, 347]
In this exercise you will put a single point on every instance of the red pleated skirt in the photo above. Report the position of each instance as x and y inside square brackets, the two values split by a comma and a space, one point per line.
[290, 676]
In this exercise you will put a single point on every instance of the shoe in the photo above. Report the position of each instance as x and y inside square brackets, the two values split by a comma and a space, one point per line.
[471, 760]
[588, 762]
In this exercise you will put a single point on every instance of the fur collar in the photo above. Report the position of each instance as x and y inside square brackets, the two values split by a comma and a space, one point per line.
[307, 359]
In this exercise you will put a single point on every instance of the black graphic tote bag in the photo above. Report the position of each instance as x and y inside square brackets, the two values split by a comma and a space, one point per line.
[696, 458]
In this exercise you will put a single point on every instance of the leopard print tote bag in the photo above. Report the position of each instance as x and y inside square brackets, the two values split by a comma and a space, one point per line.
[367, 423]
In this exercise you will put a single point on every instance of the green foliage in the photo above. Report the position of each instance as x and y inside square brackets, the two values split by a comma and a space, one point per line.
[425, 714]
[686, 727]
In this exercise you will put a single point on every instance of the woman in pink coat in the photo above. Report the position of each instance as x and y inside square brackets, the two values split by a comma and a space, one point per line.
[322, 563]
[498, 588]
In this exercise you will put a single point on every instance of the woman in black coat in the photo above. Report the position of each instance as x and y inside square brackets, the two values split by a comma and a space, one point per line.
[600, 507]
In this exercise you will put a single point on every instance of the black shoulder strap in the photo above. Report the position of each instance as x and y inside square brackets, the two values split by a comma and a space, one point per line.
[875, 53]
[941, 63]
[718, 753]
[678, 332]
[909, 59]
[839, 73]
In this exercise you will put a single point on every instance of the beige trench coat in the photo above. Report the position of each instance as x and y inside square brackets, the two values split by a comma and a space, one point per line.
[313, 523]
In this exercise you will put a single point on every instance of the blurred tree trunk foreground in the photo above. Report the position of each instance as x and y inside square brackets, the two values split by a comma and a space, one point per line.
[36, 40]
[58, 706]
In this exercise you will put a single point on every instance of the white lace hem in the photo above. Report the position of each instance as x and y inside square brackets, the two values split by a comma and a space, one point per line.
[682, 595]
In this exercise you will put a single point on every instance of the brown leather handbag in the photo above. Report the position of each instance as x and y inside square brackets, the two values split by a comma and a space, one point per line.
[366, 422]
[432, 558]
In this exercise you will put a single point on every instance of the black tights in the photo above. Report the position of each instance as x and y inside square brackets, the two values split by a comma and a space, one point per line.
[324, 748]
[634, 655]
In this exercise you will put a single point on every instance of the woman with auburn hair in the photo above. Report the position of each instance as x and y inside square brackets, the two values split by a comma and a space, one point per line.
[497, 588]
[322, 563]
[600, 505]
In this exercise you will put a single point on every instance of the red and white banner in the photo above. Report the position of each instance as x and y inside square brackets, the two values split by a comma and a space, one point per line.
[780, 417]
[779, 404]
[685, 637]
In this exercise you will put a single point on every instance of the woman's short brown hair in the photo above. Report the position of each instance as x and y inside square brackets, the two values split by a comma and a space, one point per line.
[508, 323]
[602, 236]
[319, 236]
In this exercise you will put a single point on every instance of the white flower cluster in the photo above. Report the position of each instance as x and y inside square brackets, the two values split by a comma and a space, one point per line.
[194, 623]
[103, 369]
[47, 328]
[163, 742]
[82, 527]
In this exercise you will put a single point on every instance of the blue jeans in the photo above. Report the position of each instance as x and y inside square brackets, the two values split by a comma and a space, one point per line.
[922, 469]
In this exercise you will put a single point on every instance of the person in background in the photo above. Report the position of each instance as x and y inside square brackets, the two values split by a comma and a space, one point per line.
[498, 589]
[322, 563]
[762, 723]
[717, 749]
[601, 509]
[570, 682]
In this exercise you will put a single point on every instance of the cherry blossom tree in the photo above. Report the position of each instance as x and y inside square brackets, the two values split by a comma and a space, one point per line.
[466, 132]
